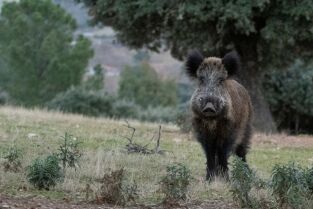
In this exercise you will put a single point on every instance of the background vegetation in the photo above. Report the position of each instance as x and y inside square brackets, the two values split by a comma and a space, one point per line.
[43, 62]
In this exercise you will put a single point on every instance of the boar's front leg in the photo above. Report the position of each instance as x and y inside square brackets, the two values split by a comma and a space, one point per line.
[222, 156]
[209, 147]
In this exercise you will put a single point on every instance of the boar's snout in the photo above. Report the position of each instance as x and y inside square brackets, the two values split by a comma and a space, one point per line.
[210, 106]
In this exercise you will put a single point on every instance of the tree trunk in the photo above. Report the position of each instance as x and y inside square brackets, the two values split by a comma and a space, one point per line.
[252, 79]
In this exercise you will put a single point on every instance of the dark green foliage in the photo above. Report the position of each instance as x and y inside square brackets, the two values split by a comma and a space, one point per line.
[95, 82]
[212, 26]
[81, 101]
[247, 188]
[40, 54]
[4, 97]
[125, 109]
[91, 103]
[176, 181]
[68, 152]
[115, 189]
[290, 185]
[12, 159]
[44, 173]
[309, 179]
[158, 114]
[142, 85]
[290, 96]
[242, 180]
[184, 116]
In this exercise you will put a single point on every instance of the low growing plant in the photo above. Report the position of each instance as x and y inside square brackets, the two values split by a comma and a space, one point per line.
[176, 181]
[68, 152]
[12, 160]
[243, 179]
[44, 173]
[290, 185]
[114, 189]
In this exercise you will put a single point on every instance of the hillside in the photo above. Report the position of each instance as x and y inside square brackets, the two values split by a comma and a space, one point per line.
[37, 133]
[111, 54]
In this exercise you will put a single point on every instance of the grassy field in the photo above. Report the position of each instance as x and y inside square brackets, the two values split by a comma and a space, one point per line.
[38, 132]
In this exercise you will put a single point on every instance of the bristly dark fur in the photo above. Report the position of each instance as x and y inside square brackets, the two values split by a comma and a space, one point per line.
[231, 61]
[194, 60]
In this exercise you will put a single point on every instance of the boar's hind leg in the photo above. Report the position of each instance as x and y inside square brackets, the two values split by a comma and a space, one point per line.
[242, 149]
[241, 152]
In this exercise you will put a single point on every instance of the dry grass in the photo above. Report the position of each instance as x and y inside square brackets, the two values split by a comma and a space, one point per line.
[38, 132]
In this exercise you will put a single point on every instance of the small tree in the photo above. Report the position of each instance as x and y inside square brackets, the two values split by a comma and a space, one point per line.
[176, 181]
[290, 95]
[95, 82]
[44, 173]
[142, 84]
[12, 158]
[37, 46]
[69, 153]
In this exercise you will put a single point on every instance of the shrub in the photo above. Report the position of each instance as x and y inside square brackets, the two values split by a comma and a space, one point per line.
[79, 100]
[44, 173]
[290, 96]
[4, 97]
[242, 180]
[12, 160]
[114, 189]
[290, 186]
[69, 153]
[183, 119]
[95, 82]
[309, 179]
[125, 109]
[142, 84]
[175, 183]
[158, 114]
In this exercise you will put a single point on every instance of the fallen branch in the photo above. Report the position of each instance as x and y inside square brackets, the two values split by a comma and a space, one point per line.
[133, 147]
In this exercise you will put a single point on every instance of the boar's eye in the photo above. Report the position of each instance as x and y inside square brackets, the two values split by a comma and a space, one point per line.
[220, 81]
[201, 79]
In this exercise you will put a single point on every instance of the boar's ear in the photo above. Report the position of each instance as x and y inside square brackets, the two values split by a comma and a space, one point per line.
[231, 62]
[194, 60]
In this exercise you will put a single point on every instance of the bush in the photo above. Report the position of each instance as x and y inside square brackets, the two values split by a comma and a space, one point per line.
[4, 97]
[158, 114]
[290, 185]
[175, 183]
[44, 173]
[125, 109]
[142, 84]
[183, 118]
[290, 96]
[115, 190]
[79, 100]
[242, 180]
[12, 160]
[95, 82]
[69, 153]
[309, 179]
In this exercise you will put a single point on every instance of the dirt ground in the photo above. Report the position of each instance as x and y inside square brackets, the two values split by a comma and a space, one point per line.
[283, 140]
[35, 202]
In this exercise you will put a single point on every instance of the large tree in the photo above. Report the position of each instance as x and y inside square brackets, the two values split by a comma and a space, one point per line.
[41, 56]
[266, 33]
